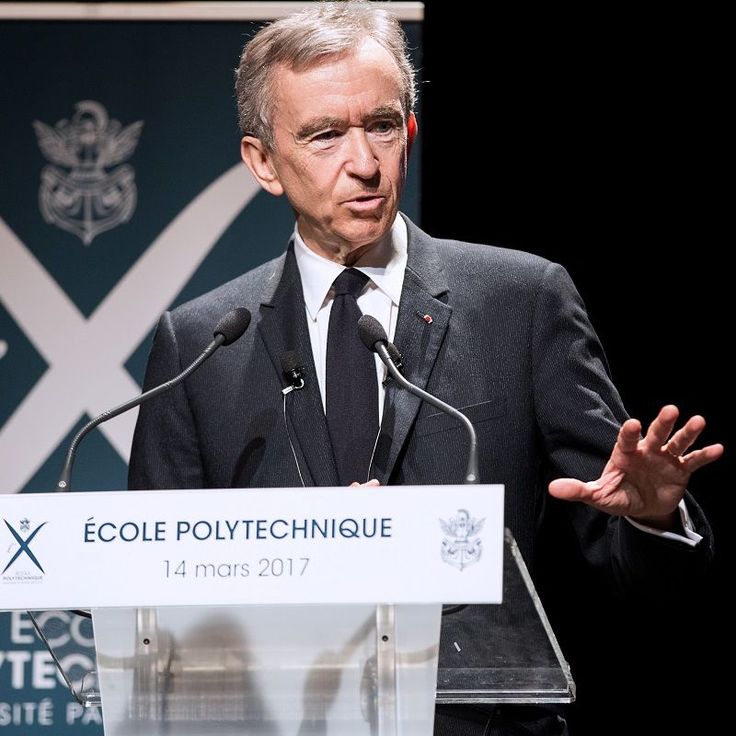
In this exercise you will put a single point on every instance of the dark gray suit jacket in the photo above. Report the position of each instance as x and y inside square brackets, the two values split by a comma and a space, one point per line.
[509, 343]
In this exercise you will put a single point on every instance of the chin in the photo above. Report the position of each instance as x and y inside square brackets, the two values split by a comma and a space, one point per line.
[366, 233]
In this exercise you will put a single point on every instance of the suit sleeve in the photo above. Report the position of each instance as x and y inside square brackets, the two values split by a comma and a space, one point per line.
[165, 452]
[579, 412]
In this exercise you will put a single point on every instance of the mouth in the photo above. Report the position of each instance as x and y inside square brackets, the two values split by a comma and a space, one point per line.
[365, 202]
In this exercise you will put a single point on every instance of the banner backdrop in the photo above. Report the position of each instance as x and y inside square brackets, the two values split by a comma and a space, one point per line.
[121, 194]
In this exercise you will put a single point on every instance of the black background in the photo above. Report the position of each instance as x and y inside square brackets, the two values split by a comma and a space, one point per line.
[593, 138]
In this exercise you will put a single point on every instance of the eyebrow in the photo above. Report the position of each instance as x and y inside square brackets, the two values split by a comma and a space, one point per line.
[326, 122]
[316, 125]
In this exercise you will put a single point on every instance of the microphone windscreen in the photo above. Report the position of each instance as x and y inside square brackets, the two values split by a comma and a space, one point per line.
[233, 325]
[371, 332]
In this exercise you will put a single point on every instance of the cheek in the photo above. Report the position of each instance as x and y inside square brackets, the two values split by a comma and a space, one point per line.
[309, 190]
[315, 176]
[393, 162]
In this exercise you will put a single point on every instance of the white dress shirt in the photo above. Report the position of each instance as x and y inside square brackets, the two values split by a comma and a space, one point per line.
[384, 264]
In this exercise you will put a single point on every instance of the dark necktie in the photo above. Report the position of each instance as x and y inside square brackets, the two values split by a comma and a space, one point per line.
[352, 386]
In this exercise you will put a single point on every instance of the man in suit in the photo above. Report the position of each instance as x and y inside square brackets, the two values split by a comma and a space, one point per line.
[326, 108]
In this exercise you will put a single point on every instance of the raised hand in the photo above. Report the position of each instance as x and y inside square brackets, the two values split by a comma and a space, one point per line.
[645, 477]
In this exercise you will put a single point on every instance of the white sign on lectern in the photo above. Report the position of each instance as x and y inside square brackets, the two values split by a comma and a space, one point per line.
[411, 544]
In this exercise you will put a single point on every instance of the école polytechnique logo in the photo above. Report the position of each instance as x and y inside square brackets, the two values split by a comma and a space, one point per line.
[85, 192]
[24, 544]
[461, 546]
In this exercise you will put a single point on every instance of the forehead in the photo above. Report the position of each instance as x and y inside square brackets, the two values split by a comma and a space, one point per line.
[346, 85]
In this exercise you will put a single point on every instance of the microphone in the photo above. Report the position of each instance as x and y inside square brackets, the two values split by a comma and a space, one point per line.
[374, 338]
[229, 329]
[293, 370]
[396, 356]
[398, 360]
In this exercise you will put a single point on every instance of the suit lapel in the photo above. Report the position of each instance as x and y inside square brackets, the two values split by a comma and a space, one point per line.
[283, 327]
[424, 292]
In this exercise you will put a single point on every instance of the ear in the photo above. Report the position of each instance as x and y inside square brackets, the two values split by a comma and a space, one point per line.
[411, 132]
[258, 159]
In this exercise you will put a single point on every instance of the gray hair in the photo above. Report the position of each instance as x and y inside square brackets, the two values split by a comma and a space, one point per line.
[305, 39]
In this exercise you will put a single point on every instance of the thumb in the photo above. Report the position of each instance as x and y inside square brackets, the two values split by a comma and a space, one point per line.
[568, 489]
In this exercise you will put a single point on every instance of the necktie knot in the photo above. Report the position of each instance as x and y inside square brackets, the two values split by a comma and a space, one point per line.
[350, 281]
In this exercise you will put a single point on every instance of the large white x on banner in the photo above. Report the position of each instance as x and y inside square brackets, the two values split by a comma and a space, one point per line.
[86, 357]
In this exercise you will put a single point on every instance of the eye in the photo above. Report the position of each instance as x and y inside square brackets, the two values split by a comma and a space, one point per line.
[325, 136]
[383, 127]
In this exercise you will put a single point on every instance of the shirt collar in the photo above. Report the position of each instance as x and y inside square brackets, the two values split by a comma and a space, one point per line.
[384, 264]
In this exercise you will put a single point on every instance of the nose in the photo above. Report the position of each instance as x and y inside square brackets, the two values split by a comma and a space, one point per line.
[361, 160]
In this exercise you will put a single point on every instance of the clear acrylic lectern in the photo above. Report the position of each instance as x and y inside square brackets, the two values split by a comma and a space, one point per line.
[313, 669]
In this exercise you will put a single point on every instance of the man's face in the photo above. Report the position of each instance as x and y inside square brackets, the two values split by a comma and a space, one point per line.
[340, 150]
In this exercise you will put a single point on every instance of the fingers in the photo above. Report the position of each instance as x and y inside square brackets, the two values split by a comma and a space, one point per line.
[680, 442]
[629, 435]
[662, 426]
[685, 436]
[372, 483]
[568, 489]
[698, 458]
